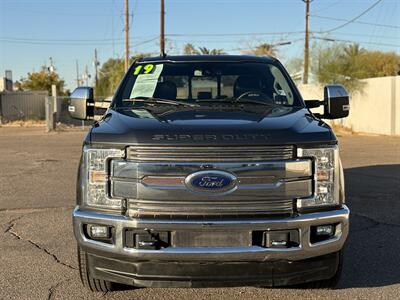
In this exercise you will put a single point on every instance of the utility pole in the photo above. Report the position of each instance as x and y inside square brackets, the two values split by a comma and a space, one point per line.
[112, 29]
[126, 35]
[86, 76]
[162, 35]
[77, 73]
[96, 64]
[306, 43]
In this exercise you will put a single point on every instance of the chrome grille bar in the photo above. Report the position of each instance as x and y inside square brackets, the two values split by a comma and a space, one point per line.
[210, 154]
[152, 208]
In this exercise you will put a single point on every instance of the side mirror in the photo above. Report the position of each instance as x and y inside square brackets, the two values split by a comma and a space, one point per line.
[336, 102]
[81, 104]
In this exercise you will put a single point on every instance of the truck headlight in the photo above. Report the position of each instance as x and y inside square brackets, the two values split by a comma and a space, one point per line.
[96, 163]
[326, 177]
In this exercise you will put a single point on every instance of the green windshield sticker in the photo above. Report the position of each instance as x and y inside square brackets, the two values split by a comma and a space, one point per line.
[146, 69]
[146, 83]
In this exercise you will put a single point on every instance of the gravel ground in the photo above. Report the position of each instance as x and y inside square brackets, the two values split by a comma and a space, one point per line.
[38, 250]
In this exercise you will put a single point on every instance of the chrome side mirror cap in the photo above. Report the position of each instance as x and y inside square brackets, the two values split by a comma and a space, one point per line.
[336, 102]
[81, 105]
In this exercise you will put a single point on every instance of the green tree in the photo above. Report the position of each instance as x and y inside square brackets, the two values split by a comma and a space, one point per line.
[295, 68]
[331, 65]
[42, 81]
[190, 49]
[206, 51]
[353, 50]
[379, 64]
[111, 74]
[347, 64]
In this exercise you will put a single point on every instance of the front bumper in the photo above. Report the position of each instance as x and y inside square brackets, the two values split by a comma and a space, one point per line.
[107, 260]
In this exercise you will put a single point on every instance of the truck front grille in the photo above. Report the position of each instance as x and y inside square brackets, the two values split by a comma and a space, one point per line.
[209, 209]
[210, 154]
[152, 179]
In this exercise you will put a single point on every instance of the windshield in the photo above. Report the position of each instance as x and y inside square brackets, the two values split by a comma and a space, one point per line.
[206, 83]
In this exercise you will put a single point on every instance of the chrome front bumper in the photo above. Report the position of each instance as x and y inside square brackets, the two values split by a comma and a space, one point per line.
[219, 254]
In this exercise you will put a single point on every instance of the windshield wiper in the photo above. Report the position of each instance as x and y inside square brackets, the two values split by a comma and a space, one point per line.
[234, 101]
[152, 100]
[254, 102]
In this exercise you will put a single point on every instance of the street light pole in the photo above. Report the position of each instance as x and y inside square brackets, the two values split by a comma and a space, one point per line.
[77, 73]
[96, 64]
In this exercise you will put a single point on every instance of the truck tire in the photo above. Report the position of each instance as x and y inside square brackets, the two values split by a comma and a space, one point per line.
[330, 283]
[93, 284]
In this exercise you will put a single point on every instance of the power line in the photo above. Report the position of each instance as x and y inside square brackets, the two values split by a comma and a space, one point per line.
[64, 40]
[10, 41]
[232, 34]
[329, 6]
[333, 39]
[358, 22]
[282, 43]
[49, 42]
[109, 40]
[355, 18]
[74, 13]
[365, 35]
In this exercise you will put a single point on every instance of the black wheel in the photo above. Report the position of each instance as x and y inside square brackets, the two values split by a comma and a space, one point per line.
[330, 283]
[95, 285]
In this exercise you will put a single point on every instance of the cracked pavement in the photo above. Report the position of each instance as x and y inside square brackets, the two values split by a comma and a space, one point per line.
[38, 250]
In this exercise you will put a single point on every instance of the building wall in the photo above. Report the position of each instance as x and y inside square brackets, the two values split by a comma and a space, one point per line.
[2, 84]
[376, 109]
[5, 84]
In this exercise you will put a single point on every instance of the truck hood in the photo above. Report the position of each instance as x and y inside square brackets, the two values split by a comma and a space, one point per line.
[281, 125]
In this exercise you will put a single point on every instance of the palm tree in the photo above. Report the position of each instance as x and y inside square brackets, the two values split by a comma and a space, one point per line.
[206, 51]
[351, 60]
[189, 49]
[264, 49]
[353, 50]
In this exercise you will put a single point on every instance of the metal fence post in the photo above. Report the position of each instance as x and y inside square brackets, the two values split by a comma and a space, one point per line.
[57, 102]
[50, 114]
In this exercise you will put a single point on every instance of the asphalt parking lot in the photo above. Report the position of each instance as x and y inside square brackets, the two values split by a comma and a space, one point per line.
[38, 250]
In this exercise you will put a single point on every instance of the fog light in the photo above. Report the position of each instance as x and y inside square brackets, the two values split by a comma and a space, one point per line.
[325, 230]
[98, 231]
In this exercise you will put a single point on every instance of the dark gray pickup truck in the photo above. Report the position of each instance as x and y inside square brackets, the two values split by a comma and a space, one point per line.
[210, 171]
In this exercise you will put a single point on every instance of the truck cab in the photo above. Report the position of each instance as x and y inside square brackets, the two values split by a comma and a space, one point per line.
[210, 171]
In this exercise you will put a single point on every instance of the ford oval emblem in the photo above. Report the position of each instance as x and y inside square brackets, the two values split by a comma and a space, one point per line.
[211, 182]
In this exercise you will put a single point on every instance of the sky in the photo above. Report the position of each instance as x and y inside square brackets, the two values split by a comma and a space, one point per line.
[70, 30]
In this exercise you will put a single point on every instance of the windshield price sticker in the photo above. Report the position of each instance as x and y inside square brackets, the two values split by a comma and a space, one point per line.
[146, 69]
[146, 83]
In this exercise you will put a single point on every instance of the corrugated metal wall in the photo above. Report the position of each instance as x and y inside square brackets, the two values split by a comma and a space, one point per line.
[22, 105]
